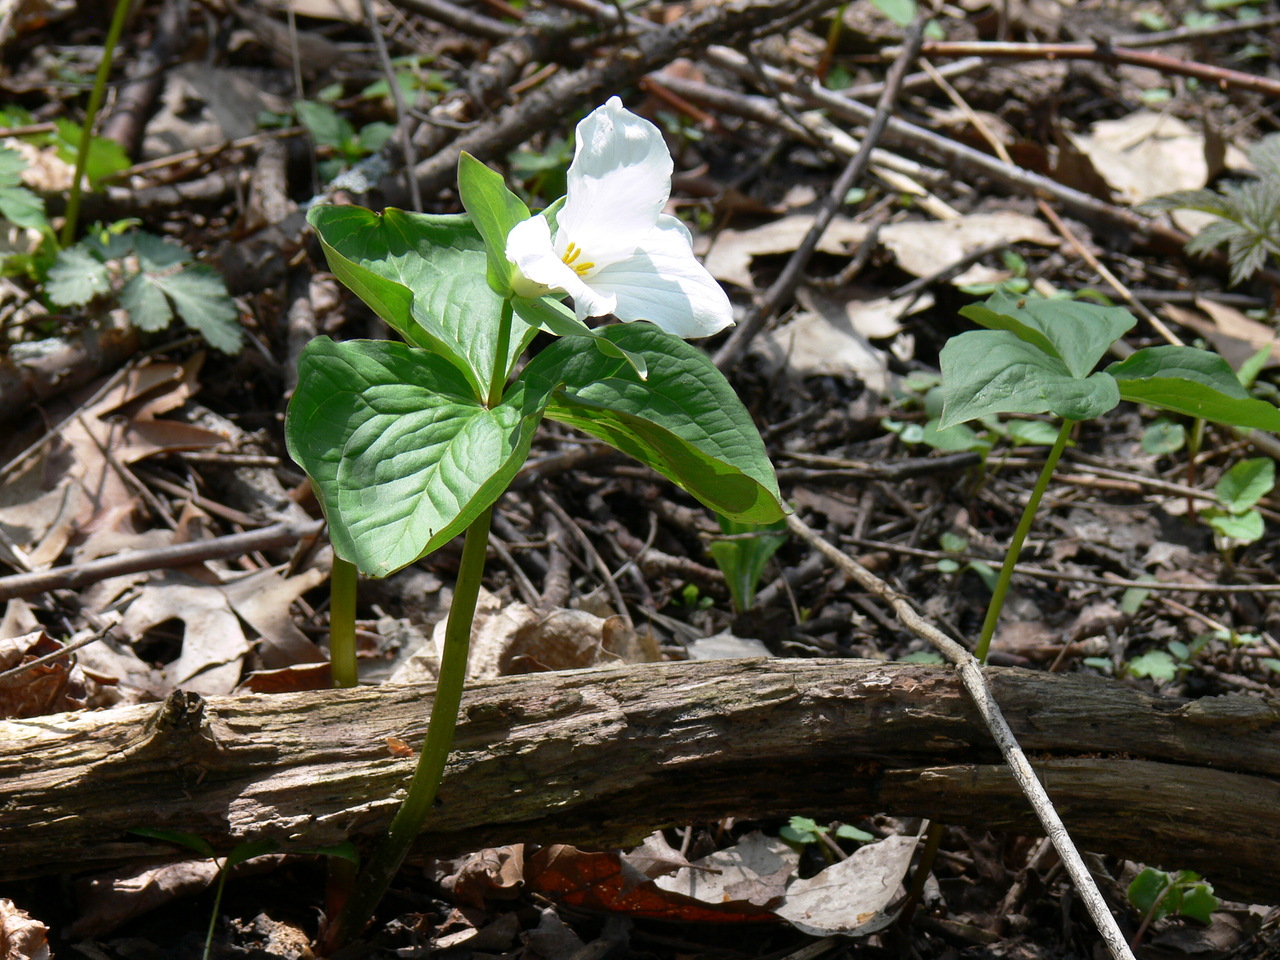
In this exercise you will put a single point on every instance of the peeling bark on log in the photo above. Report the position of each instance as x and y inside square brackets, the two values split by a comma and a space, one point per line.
[604, 757]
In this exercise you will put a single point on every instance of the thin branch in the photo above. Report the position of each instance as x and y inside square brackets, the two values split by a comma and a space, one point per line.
[975, 684]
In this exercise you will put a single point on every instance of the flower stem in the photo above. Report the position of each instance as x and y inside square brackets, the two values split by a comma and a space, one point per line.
[90, 115]
[1019, 536]
[498, 382]
[342, 623]
[376, 877]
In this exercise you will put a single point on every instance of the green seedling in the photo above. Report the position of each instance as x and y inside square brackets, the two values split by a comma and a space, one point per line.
[804, 831]
[409, 444]
[1039, 356]
[153, 279]
[742, 559]
[330, 129]
[1236, 522]
[541, 173]
[196, 843]
[954, 543]
[1163, 436]
[1156, 895]
[1247, 212]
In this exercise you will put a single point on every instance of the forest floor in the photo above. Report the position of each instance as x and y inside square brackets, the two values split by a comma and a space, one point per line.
[1023, 174]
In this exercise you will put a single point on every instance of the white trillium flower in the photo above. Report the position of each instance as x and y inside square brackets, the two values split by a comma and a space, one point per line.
[614, 250]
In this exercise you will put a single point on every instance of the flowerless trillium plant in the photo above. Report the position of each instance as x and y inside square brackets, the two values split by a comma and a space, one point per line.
[410, 443]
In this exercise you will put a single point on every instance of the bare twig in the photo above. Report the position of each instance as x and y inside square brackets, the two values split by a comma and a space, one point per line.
[1105, 53]
[80, 574]
[971, 675]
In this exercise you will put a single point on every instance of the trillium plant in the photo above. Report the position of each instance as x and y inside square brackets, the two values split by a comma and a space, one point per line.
[409, 444]
[1039, 356]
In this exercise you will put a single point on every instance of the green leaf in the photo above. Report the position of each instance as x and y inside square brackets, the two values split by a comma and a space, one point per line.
[1032, 433]
[1246, 483]
[106, 157]
[1198, 902]
[1079, 334]
[995, 371]
[901, 12]
[959, 436]
[327, 127]
[553, 316]
[1156, 664]
[192, 841]
[684, 421]
[374, 136]
[849, 832]
[146, 304]
[495, 210]
[953, 542]
[743, 561]
[198, 295]
[1193, 382]
[1247, 527]
[402, 454]
[1249, 370]
[23, 208]
[1163, 436]
[1146, 890]
[76, 277]
[425, 276]
[249, 850]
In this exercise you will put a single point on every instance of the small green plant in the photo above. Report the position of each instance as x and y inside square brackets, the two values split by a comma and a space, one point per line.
[541, 173]
[954, 543]
[1236, 522]
[1039, 356]
[330, 129]
[153, 279]
[1248, 212]
[742, 559]
[198, 844]
[1156, 895]
[805, 831]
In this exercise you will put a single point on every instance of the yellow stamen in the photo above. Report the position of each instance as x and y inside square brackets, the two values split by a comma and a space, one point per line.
[571, 253]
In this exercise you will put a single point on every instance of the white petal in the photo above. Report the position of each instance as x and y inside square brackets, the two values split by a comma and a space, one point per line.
[617, 185]
[538, 269]
[665, 284]
[542, 271]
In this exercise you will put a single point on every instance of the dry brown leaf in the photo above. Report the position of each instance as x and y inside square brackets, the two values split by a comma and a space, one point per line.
[851, 897]
[757, 868]
[108, 900]
[492, 874]
[48, 688]
[655, 857]
[213, 643]
[923, 247]
[263, 600]
[21, 936]
[729, 258]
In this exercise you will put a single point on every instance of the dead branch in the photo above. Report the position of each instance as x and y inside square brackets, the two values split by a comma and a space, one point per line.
[603, 757]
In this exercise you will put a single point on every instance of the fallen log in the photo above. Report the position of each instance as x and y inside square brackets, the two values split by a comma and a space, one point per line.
[603, 757]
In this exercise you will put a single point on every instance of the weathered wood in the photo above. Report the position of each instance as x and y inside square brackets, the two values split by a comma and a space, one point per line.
[603, 757]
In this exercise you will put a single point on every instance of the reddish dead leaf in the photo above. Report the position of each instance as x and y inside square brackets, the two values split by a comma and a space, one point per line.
[398, 748]
[47, 688]
[596, 881]
[21, 936]
[305, 676]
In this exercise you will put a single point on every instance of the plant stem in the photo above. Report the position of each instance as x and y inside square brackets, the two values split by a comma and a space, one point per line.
[498, 382]
[90, 115]
[377, 875]
[342, 623]
[1019, 536]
